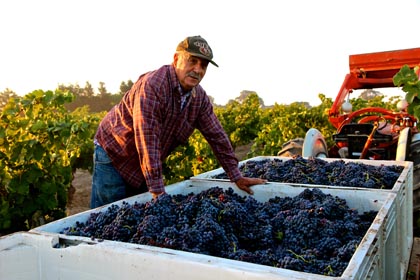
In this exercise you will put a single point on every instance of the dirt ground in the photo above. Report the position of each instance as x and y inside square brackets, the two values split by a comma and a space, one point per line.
[79, 195]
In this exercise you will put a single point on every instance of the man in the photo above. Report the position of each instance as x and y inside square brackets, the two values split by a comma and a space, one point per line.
[160, 112]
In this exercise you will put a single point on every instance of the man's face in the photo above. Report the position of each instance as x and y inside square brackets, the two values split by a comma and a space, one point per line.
[189, 69]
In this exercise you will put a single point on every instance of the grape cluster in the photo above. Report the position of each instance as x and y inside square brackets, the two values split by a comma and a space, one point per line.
[312, 232]
[320, 172]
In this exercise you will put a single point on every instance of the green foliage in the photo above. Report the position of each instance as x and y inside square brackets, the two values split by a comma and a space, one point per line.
[408, 79]
[39, 142]
[282, 123]
[241, 120]
[189, 160]
[5, 96]
[84, 126]
[377, 101]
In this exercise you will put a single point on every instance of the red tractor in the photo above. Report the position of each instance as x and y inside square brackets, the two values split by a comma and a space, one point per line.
[370, 133]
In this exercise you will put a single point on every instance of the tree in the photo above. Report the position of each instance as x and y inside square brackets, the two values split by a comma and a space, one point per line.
[74, 89]
[88, 90]
[102, 89]
[124, 87]
[244, 95]
[5, 96]
[369, 94]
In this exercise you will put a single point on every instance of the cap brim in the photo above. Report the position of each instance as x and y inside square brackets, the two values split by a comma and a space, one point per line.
[214, 63]
[204, 57]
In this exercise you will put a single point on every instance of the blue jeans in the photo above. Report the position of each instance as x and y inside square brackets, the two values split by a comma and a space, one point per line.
[107, 184]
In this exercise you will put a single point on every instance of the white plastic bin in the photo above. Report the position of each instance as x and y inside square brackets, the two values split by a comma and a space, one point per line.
[83, 258]
[403, 188]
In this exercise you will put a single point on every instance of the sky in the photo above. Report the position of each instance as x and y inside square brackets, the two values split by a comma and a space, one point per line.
[285, 51]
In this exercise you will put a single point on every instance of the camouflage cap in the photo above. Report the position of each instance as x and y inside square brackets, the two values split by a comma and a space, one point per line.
[197, 46]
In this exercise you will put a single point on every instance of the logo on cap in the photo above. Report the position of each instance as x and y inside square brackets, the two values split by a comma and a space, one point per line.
[203, 48]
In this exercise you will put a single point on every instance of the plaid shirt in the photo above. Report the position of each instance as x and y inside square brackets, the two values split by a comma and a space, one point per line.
[148, 124]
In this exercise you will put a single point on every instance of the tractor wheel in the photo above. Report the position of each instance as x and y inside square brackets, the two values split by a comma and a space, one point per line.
[314, 144]
[415, 158]
[292, 148]
[403, 148]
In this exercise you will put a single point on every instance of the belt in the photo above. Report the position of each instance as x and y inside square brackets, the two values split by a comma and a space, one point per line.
[95, 142]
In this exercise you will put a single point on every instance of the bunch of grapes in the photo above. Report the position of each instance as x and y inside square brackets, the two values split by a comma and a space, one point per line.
[320, 172]
[312, 232]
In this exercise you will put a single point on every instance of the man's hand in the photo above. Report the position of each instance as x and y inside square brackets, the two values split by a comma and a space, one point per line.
[155, 195]
[244, 183]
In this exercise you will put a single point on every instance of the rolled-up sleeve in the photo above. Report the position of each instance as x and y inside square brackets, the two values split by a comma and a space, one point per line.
[147, 126]
[213, 132]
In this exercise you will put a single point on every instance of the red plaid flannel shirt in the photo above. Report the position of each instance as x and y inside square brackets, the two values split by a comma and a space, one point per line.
[148, 124]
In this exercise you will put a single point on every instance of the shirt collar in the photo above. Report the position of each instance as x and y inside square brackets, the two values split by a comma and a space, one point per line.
[181, 91]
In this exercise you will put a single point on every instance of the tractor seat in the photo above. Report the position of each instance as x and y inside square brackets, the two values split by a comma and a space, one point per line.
[355, 136]
[360, 130]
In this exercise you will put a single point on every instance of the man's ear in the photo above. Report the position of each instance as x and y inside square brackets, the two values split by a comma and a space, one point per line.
[176, 57]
